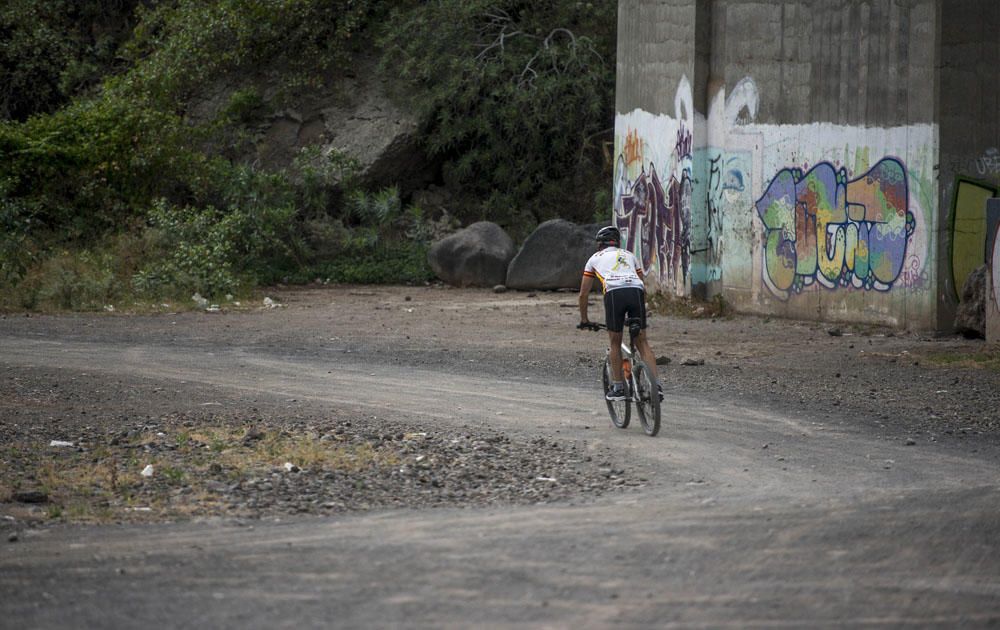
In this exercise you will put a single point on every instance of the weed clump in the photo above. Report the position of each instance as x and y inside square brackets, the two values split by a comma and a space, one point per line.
[688, 307]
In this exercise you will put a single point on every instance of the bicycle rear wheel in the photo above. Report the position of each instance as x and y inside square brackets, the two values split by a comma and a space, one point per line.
[647, 398]
[619, 410]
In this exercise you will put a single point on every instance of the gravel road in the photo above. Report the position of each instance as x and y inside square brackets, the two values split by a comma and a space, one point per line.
[437, 457]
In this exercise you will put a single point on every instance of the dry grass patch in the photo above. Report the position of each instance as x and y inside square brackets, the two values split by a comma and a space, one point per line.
[690, 308]
[191, 467]
[986, 359]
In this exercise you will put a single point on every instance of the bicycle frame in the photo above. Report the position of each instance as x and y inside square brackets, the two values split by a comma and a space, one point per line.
[628, 354]
[643, 393]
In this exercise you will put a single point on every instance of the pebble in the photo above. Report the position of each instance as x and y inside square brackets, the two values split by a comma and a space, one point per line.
[30, 496]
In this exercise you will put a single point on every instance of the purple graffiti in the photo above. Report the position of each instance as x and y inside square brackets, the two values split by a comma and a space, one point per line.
[655, 218]
[840, 233]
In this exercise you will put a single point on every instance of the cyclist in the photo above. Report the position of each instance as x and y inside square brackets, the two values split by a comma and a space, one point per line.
[624, 296]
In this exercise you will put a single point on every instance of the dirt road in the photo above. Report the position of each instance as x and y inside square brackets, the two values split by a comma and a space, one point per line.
[801, 478]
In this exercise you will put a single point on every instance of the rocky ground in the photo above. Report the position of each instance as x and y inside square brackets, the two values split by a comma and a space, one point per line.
[74, 445]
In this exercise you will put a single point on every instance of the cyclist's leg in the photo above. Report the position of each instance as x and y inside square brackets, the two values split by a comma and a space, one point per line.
[614, 318]
[615, 341]
[642, 342]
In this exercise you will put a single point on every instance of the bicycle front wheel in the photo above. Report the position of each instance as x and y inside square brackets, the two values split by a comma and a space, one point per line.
[647, 398]
[619, 410]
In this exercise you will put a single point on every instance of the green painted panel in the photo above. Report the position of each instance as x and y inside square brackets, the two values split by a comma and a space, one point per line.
[968, 231]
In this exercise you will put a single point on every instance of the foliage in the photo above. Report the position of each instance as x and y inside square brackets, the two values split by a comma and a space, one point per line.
[517, 96]
[181, 44]
[83, 169]
[52, 50]
[132, 190]
[211, 251]
[387, 243]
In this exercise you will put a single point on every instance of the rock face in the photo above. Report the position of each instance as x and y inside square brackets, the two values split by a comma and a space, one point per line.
[353, 115]
[553, 256]
[970, 320]
[475, 256]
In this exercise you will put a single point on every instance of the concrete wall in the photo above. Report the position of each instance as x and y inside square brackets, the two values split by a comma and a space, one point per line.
[970, 138]
[993, 275]
[805, 182]
[653, 134]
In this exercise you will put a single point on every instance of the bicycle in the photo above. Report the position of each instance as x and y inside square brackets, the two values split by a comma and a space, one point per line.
[640, 388]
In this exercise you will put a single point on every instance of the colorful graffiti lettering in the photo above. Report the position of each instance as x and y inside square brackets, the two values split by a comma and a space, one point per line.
[821, 227]
[654, 219]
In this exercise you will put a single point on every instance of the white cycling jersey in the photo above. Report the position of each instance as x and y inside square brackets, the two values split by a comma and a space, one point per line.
[616, 269]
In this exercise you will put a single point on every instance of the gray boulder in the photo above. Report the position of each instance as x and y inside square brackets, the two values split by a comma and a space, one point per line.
[475, 256]
[970, 320]
[553, 256]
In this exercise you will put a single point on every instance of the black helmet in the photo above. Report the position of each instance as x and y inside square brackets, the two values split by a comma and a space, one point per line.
[608, 234]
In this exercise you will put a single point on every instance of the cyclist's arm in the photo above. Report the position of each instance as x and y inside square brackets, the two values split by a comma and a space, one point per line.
[638, 269]
[586, 284]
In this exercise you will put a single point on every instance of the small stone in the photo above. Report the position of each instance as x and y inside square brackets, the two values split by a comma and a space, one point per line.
[500, 288]
[31, 496]
[252, 436]
[12, 537]
[835, 332]
[692, 361]
[663, 360]
[911, 442]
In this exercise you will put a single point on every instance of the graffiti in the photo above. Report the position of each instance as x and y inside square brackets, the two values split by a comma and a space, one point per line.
[654, 188]
[822, 228]
[914, 274]
[742, 103]
[725, 185]
[968, 229]
[989, 163]
[654, 219]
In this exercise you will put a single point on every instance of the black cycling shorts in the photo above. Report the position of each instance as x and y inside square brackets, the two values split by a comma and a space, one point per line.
[622, 303]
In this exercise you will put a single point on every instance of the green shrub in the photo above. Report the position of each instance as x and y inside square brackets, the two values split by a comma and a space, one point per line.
[85, 168]
[517, 97]
[68, 280]
[178, 46]
[52, 50]
[213, 251]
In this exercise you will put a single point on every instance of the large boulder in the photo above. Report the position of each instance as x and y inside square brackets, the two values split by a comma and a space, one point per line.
[553, 256]
[475, 256]
[970, 320]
